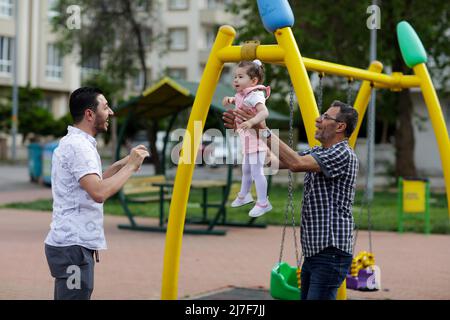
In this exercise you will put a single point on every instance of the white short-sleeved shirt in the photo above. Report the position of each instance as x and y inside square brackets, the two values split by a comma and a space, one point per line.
[77, 218]
[253, 98]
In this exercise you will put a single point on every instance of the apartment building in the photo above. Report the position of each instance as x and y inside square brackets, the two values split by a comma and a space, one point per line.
[190, 26]
[39, 62]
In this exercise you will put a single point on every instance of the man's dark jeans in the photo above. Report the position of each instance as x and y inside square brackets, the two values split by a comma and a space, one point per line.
[323, 274]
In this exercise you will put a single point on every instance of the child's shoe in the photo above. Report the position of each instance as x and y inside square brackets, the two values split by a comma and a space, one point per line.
[258, 210]
[241, 201]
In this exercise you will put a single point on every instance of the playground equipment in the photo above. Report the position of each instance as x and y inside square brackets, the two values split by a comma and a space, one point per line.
[285, 279]
[414, 200]
[364, 274]
[166, 99]
[277, 18]
[285, 282]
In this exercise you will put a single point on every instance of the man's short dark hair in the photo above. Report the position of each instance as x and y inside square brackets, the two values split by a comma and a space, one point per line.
[82, 99]
[348, 115]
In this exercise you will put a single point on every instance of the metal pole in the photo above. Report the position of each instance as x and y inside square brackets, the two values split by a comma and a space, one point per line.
[371, 120]
[15, 106]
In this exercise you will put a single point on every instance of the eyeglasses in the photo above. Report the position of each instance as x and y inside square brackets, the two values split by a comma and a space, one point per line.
[327, 117]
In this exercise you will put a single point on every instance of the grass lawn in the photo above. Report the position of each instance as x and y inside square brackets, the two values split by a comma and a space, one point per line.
[383, 210]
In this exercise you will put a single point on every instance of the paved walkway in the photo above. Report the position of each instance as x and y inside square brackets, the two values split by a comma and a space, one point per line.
[413, 266]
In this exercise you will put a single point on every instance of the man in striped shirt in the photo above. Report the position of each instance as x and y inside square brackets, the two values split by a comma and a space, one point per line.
[329, 190]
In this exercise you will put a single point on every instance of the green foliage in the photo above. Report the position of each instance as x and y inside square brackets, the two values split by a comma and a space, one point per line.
[5, 116]
[60, 125]
[33, 117]
[383, 210]
[338, 33]
[112, 88]
[118, 31]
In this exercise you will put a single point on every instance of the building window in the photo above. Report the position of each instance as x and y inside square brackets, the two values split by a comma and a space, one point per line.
[6, 8]
[178, 39]
[217, 4]
[90, 66]
[177, 73]
[54, 68]
[178, 4]
[92, 62]
[6, 55]
[51, 9]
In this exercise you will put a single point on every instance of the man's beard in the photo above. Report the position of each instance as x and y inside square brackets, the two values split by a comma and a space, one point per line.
[100, 126]
[323, 136]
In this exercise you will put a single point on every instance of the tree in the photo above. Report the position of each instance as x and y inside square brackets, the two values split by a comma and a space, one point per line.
[33, 117]
[338, 33]
[120, 32]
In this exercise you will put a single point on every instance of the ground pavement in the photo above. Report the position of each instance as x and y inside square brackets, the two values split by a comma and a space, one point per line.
[413, 266]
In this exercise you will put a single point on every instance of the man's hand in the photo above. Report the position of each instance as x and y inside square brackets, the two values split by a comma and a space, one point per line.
[101, 189]
[246, 116]
[228, 119]
[227, 101]
[137, 156]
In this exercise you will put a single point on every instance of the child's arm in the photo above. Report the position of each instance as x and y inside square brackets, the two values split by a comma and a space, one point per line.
[261, 114]
[227, 101]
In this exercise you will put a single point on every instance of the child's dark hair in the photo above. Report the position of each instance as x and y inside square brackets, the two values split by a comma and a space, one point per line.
[254, 69]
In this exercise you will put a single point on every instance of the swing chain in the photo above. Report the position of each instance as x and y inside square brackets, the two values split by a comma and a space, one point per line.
[365, 202]
[370, 136]
[290, 202]
[320, 91]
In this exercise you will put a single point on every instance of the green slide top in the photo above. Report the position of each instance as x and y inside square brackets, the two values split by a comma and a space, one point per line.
[411, 47]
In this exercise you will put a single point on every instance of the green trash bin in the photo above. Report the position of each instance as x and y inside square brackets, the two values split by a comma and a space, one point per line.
[35, 161]
[47, 154]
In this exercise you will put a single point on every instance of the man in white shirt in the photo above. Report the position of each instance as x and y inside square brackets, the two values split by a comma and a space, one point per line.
[79, 190]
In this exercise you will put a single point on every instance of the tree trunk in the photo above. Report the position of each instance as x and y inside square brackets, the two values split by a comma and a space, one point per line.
[404, 133]
[404, 137]
[152, 128]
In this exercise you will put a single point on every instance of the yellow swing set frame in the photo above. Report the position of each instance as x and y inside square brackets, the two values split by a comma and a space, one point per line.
[287, 53]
